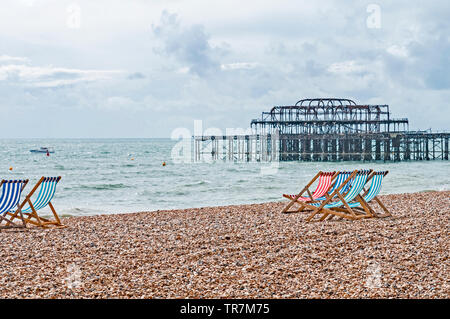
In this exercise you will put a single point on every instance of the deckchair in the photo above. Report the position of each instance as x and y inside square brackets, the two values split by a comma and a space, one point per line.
[371, 195]
[47, 191]
[341, 177]
[328, 207]
[325, 181]
[10, 197]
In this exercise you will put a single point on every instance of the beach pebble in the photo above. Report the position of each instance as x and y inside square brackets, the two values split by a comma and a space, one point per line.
[239, 251]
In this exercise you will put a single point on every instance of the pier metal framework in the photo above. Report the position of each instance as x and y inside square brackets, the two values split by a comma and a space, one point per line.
[327, 129]
[328, 116]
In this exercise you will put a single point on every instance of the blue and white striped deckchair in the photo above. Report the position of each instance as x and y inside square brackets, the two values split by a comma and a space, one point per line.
[371, 194]
[10, 197]
[327, 207]
[46, 192]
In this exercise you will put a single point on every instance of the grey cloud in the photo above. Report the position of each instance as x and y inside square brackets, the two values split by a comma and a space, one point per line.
[190, 45]
[49, 76]
[433, 61]
[136, 76]
[271, 60]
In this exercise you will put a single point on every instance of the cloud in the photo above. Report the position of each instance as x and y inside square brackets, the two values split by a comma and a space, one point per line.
[49, 76]
[11, 59]
[398, 51]
[136, 76]
[239, 65]
[189, 45]
[347, 67]
[216, 64]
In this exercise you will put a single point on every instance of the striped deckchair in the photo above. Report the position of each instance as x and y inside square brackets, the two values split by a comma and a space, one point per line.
[10, 197]
[371, 195]
[342, 176]
[47, 191]
[327, 207]
[325, 181]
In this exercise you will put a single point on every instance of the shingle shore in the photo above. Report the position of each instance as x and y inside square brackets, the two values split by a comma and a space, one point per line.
[240, 251]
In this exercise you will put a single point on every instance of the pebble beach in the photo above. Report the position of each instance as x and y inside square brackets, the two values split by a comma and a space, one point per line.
[238, 251]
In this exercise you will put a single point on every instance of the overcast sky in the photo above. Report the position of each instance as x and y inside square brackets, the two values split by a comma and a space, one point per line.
[140, 68]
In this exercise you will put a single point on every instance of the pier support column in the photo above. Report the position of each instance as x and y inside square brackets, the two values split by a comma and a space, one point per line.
[387, 149]
[367, 150]
[334, 154]
[407, 155]
[446, 148]
[378, 149]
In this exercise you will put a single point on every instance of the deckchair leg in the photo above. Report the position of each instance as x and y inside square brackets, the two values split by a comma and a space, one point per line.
[383, 207]
[29, 219]
[34, 214]
[54, 213]
[365, 206]
[315, 211]
[9, 221]
[14, 216]
[21, 217]
[9, 224]
[336, 213]
[352, 213]
[18, 211]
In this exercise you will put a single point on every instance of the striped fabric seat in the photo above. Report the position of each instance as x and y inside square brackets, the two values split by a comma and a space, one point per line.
[374, 189]
[46, 187]
[9, 199]
[342, 177]
[45, 195]
[357, 186]
[322, 187]
[11, 191]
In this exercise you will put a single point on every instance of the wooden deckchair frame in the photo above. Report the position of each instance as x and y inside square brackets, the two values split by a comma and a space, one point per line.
[9, 221]
[39, 221]
[348, 213]
[376, 199]
[328, 197]
[364, 211]
[306, 189]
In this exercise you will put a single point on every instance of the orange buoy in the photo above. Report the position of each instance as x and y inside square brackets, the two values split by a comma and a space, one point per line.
[10, 168]
[163, 163]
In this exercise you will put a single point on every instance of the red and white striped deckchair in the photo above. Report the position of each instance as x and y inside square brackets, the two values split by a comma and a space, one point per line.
[325, 181]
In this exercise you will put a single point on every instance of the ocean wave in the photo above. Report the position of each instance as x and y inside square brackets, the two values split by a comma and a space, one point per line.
[198, 183]
[103, 186]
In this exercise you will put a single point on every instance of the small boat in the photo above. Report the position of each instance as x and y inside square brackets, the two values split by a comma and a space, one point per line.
[43, 150]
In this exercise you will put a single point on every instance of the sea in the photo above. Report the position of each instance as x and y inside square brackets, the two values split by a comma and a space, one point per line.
[110, 176]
